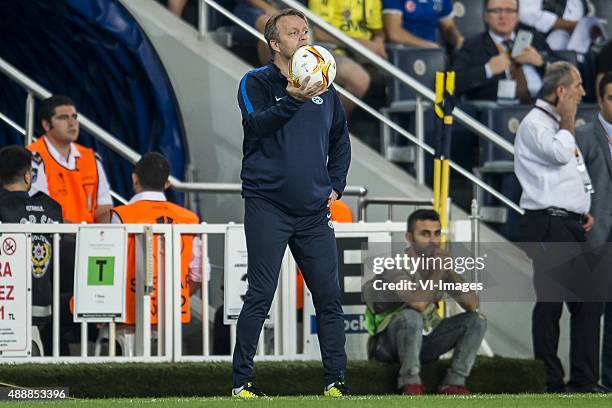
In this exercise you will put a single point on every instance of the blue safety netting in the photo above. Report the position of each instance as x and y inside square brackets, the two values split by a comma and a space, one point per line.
[95, 52]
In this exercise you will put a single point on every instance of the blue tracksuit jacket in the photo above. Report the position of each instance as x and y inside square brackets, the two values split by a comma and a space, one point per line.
[294, 152]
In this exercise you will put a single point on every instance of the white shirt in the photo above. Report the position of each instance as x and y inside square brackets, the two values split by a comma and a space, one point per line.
[534, 82]
[195, 265]
[545, 163]
[40, 183]
[608, 128]
[531, 14]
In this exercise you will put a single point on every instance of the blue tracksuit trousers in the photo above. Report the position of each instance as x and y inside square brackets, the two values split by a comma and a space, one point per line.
[312, 242]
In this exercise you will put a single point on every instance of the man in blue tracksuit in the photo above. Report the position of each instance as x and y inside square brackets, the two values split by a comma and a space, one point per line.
[296, 156]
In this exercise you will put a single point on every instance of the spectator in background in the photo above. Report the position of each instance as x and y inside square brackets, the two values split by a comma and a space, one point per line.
[556, 19]
[595, 143]
[484, 60]
[184, 9]
[176, 7]
[405, 325]
[362, 21]
[415, 22]
[16, 206]
[68, 172]
[149, 206]
[256, 13]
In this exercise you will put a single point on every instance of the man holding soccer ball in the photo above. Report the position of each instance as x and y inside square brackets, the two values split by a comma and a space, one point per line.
[296, 157]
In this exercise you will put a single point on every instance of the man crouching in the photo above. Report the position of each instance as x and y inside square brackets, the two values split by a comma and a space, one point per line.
[408, 326]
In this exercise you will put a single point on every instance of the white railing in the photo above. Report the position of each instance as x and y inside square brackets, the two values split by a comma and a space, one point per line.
[143, 333]
[169, 329]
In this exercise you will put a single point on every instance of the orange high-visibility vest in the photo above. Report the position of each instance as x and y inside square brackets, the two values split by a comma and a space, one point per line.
[76, 190]
[156, 212]
[340, 212]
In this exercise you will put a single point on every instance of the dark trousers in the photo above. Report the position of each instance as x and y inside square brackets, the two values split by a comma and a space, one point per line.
[605, 261]
[606, 351]
[312, 242]
[585, 316]
[403, 340]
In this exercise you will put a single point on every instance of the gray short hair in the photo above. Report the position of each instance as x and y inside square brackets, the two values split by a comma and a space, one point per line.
[557, 74]
[271, 29]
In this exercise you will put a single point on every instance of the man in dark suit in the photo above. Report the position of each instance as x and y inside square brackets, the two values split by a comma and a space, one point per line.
[485, 59]
[595, 143]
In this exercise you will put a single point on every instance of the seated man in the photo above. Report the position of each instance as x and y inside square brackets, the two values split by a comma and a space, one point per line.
[363, 23]
[16, 206]
[485, 60]
[555, 19]
[415, 23]
[256, 13]
[149, 206]
[69, 173]
[405, 325]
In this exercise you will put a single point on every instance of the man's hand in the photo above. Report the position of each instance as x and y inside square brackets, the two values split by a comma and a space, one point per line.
[567, 107]
[377, 46]
[588, 222]
[459, 42]
[566, 25]
[530, 56]
[305, 92]
[499, 63]
[442, 254]
[333, 196]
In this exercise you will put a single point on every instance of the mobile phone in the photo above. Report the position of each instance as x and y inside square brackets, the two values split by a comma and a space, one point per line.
[522, 41]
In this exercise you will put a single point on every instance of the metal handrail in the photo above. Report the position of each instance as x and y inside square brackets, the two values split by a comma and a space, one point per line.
[116, 145]
[358, 191]
[364, 203]
[467, 174]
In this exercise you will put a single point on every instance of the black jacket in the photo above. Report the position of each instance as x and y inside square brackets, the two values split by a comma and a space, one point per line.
[19, 208]
[471, 79]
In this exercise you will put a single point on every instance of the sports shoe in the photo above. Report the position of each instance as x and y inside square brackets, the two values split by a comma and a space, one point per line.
[413, 389]
[336, 389]
[453, 390]
[248, 390]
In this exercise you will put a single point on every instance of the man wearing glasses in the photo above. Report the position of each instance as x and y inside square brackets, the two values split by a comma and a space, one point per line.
[484, 65]
[68, 172]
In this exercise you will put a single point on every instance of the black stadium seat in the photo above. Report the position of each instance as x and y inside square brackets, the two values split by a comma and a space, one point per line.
[504, 120]
[419, 63]
[469, 16]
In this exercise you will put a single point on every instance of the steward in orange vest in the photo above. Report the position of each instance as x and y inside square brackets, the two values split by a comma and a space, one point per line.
[149, 206]
[65, 170]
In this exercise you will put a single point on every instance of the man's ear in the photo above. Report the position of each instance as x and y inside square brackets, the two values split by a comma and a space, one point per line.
[27, 178]
[409, 236]
[46, 125]
[274, 45]
[167, 185]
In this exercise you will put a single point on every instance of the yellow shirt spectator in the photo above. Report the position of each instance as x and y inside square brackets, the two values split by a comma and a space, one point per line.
[356, 18]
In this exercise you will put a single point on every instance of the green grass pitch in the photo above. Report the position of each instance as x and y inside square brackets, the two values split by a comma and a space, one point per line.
[433, 401]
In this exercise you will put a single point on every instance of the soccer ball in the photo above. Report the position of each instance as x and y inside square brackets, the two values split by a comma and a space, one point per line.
[315, 61]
